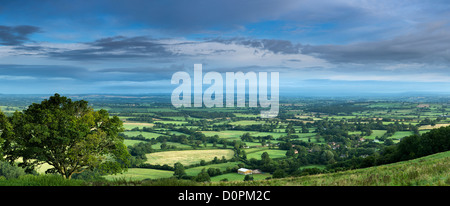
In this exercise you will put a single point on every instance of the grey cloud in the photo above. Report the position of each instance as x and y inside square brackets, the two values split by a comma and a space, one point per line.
[118, 47]
[134, 44]
[427, 45]
[143, 70]
[273, 45]
[16, 35]
[252, 68]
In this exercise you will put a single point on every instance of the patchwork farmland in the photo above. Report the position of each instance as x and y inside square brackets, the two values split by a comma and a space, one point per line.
[227, 139]
[309, 136]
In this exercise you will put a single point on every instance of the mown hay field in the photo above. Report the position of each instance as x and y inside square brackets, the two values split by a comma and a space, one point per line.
[187, 157]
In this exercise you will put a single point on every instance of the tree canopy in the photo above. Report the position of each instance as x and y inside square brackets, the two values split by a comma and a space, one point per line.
[68, 135]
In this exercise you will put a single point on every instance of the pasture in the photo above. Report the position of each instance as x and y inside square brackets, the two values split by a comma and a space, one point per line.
[257, 152]
[428, 127]
[238, 177]
[140, 125]
[147, 135]
[141, 174]
[222, 166]
[375, 133]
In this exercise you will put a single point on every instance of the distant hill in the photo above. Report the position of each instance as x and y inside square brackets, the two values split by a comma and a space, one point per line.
[429, 170]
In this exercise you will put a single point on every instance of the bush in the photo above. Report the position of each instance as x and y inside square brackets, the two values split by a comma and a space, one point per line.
[279, 173]
[169, 182]
[89, 175]
[203, 176]
[214, 172]
[9, 171]
[248, 178]
[41, 180]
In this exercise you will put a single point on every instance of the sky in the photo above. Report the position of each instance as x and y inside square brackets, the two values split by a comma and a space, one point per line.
[319, 47]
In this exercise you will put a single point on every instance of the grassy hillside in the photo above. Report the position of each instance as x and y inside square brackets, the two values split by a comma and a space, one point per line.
[429, 170]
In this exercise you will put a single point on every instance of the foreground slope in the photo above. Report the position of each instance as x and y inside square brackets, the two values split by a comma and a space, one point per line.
[430, 170]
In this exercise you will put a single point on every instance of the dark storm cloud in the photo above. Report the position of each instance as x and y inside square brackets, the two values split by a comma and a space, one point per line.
[16, 35]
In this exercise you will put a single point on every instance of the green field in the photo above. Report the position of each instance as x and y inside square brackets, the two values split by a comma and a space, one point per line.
[141, 174]
[239, 177]
[222, 166]
[246, 115]
[179, 123]
[147, 135]
[230, 134]
[257, 152]
[157, 146]
[376, 133]
[129, 142]
[246, 122]
[131, 125]
[236, 135]
[400, 134]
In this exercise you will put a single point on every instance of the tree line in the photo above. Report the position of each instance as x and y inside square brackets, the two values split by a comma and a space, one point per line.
[410, 147]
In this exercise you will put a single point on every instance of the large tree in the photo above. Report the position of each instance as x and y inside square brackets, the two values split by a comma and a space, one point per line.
[5, 129]
[68, 135]
[179, 171]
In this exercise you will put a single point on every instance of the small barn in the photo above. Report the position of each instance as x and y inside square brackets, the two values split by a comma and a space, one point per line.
[244, 171]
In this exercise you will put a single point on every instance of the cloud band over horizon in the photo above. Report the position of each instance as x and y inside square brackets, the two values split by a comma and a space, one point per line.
[327, 47]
